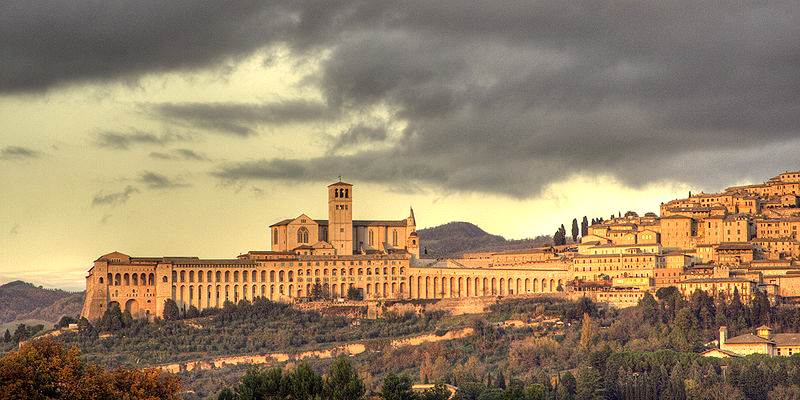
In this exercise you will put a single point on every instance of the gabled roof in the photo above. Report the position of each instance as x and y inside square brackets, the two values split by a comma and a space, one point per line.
[748, 338]
[340, 183]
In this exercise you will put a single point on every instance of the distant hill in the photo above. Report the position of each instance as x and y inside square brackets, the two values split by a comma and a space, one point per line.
[19, 298]
[463, 237]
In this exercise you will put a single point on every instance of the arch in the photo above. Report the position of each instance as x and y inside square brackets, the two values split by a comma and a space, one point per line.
[244, 292]
[227, 276]
[394, 289]
[335, 291]
[217, 294]
[544, 285]
[191, 276]
[535, 282]
[151, 279]
[236, 276]
[290, 276]
[126, 279]
[244, 276]
[280, 276]
[291, 289]
[209, 276]
[369, 288]
[254, 276]
[386, 292]
[527, 285]
[344, 289]
[460, 283]
[485, 283]
[100, 280]
[402, 289]
[191, 295]
[272, 276]
[493, 288]
[219, 276]
[263, 276]
[502, 286]
[551, 285]
[428, 287]
[183, 276]
[436, 287]
[135, 279]
[113, 304]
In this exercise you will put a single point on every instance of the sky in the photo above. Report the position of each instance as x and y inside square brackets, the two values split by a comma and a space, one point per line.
[166, 128]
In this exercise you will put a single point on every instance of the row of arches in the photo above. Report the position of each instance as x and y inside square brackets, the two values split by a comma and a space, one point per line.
[190, 276]
[435, 287]
[128, 279]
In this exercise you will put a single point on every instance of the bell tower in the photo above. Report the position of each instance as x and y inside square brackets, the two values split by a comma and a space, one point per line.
[340, 217]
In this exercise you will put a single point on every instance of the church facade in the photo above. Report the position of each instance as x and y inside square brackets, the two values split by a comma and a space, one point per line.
[378, 258]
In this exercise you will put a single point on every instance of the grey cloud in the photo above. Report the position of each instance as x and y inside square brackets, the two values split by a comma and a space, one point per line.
[358, 134]
[240, 119]
[18, 153]
[180, 154]
[157, 181]
[125, 141]
[493, 97]
[113, 199]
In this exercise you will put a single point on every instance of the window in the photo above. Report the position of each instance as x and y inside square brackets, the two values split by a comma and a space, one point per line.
[394, 238]
[371, 238]
[275, 236]
[302, 235]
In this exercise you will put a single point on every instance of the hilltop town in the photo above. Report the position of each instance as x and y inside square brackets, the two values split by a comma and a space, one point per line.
[741, 240]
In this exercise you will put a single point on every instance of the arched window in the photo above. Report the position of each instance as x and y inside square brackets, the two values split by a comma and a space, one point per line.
[394, 238]
[302, 235]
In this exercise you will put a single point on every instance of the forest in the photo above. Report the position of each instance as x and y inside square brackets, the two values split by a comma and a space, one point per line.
[565, 349]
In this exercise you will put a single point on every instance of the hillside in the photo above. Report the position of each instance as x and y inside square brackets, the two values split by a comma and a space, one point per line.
[464, 237]
[20, 298]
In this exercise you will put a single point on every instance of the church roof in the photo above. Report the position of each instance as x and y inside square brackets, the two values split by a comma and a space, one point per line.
[340, 183]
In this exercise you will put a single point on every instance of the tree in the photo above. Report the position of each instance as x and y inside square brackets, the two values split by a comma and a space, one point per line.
[316, 291]
[437, 392]
[589, 384]
[7, 336]
[354, 293]
[566, 386]
[112, 319]
[171, 311]
[304, 383]
[469, 391]
[257, 384]
[44, 368]
[226, 394]
[397, 387]
[560, 237]
[575, 230]
[193, 312]
[342, 382]
[584, 226]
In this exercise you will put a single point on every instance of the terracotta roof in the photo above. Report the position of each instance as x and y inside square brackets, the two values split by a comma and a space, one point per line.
[748, 338]
[339, 183]
[786, 339]
[715, 280]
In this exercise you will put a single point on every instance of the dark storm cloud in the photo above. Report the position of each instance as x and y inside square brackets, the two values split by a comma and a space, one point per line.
[157, 181]
[358, 134]
[240, 119]
[125, 141]
[18, 153]
[113, 199]
[495, 97]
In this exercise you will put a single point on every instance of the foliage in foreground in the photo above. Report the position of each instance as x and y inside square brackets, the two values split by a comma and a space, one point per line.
[44, 369]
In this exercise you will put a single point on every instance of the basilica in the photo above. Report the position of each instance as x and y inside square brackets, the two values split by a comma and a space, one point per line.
[379, 258]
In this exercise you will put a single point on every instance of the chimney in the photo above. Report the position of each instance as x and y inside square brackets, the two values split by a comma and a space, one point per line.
[723, 336]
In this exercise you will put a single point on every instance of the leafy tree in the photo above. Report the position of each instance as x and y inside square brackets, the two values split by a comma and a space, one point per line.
[437, 392]
[316, 291]
[171, 311]
[259, 384]
[226, 394]
[567, 386]
[7, 336]
[44, 369]
[65, 321]
[469, 391]
[589, 384]
[342, 382]
[21, 333]
[575, 230]
[397, 387]
[193, 312]
[354, 293]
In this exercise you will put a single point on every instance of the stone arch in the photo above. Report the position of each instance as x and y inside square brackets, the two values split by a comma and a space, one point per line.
[112, 304]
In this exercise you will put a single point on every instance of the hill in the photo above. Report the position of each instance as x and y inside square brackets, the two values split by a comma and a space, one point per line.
[19, 298]
[464, 237]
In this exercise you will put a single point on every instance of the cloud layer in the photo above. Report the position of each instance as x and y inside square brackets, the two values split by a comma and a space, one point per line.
[475, 96]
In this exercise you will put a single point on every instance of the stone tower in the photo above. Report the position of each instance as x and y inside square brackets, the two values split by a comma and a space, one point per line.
[340, 217]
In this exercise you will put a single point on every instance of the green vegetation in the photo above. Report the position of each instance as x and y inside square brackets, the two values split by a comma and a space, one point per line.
[565, 349]
[22, 300]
